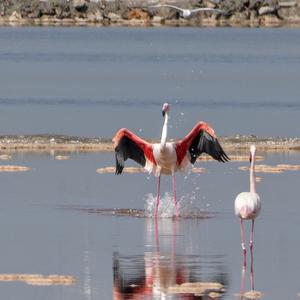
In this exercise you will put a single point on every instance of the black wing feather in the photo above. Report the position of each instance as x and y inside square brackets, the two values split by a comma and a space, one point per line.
[204, 142]
[128, 149]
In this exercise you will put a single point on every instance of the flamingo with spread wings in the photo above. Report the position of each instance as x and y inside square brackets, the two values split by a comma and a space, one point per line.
[167, 157]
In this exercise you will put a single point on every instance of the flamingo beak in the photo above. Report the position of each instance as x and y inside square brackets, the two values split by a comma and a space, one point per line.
[250, 158]
[163, 113]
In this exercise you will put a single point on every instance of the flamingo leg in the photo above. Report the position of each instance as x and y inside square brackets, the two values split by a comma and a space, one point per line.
[243, 241]
[251, 255]
[158, 196]
[174, 195]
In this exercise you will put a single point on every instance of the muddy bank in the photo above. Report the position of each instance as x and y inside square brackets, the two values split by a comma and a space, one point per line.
[140, 13]
[67, 144]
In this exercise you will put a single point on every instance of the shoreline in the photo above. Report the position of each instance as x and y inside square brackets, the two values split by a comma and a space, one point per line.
[142, 13]
[69, 144]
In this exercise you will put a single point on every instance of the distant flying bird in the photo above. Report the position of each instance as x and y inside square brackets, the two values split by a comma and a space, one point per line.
[167, 157]
[247, 205]
[186, 13]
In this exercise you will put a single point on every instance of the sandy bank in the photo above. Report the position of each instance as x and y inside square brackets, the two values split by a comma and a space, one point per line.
[68, 144]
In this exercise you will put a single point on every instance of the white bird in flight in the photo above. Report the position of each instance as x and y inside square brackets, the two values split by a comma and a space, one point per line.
[186, 13]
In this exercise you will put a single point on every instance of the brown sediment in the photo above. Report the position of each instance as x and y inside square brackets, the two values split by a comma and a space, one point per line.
[236, 146]
[263, 169]
[38, 279]
[12, 168]
[289, 167]
[272, 169]
[62, 157]
[198, 288]
[233, 157]
[198, 170]
[106, 170]
[252, 294]
[5, 157]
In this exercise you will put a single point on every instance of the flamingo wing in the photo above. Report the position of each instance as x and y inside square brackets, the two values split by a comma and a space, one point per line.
[208, 144]
[201, 139]
[128, 145]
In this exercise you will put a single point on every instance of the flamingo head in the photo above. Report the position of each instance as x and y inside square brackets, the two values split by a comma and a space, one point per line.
[252, 152]
[165, 108]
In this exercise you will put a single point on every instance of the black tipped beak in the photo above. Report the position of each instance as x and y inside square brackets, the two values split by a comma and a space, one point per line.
[250, 159]
[163, 113]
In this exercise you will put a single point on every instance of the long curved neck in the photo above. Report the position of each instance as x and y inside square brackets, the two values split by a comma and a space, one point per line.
[164, 133]
[252, 175]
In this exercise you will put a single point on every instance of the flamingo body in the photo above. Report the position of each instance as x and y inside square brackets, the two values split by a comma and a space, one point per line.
[247, 205]
[167, 157]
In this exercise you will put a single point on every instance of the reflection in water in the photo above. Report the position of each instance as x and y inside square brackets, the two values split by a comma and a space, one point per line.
[164, 274]
[252, 294]
[87, 284]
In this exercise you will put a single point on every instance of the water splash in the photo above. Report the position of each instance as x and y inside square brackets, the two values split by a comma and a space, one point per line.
[167, 209]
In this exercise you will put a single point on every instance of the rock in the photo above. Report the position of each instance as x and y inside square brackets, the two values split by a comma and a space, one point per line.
[239, 18]
[287, 4]
[138, 14]
[15, 17]
[47, 9]
[156, 19]
[291, 14]
[114, 17]
[269, 20]
[95, 16]
[80, 5]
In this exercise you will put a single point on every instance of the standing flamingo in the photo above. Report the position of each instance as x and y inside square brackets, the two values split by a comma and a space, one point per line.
[247, 206]
[167, 157]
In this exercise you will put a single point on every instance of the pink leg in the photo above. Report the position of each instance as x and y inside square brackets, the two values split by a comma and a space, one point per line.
[158, 196]
[251, 253]
[174, 194]
[243, 241]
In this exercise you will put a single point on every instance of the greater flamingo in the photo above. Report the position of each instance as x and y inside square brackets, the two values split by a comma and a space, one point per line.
[247, 206]
[186, 13]
[167, 157]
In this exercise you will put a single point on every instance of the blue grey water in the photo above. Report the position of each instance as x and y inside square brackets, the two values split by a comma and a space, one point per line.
[90, 82]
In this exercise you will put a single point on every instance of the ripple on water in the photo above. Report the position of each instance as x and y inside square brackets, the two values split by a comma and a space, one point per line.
[166, 210]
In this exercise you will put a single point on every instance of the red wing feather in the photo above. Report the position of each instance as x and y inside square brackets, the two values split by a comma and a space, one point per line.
[201, 138]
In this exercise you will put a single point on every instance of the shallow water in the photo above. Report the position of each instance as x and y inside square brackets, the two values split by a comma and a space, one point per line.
[58, 219]
[92, 81]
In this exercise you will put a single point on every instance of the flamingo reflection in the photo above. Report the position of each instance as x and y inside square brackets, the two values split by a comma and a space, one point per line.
[157, 274]
[252, 294]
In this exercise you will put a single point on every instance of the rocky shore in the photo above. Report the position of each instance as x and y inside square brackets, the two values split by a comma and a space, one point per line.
[252, 13]
[67, 144]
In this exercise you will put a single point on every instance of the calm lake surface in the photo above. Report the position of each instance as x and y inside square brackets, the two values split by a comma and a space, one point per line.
[51, 223]
[91, 82]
